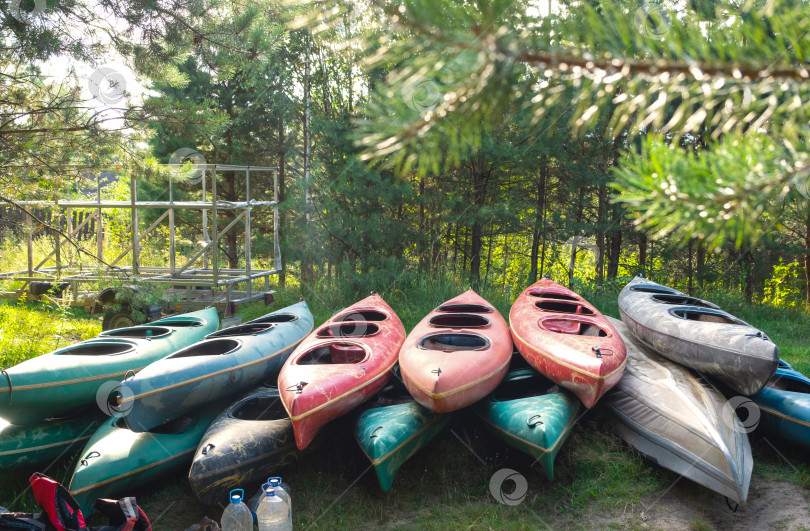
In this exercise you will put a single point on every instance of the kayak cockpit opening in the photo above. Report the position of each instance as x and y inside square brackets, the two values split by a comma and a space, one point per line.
[334, 353]
[459, 320]
[349, 329]
[563, 307]
[174, 427]
[523, 386]
[361, 315]
[242, 330]
[572, 325]
[391, 394]
[138, 332]
[213, 347]
[552, 295]
[705, 315]
[98, 348]
[683, 300]
[791, 385]
[654, 289]
[464, 308]
[182, 323]
[453, 342]
[260, 408]
[275, 319]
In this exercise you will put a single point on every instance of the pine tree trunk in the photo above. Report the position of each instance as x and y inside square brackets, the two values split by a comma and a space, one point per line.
[539, 218]
[280, 150]
[807, 258]
[307, 272]
[701, 264]
[600, 236]
[479, 197]
[642, 255]
[689, 283]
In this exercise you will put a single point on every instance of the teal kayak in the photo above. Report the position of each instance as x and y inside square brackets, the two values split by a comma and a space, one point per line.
[79, 374]
[392, 428]
[48, 440]
[784, 405]
[116, 460]
[226, 362]
[529, 412]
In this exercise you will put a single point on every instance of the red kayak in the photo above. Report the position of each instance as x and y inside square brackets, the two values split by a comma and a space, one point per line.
[564, 337]
[343, 363]
[456, 355]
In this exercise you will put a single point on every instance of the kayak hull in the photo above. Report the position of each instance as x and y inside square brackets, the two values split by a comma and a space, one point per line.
[343, 363]
[73, 376]
[784, 405]
[457, 354]
[680, 422]
[225, 362]
[392, 429]
[698, 335]
[567, 340]
[117, 460]
[532, 414]
[249, 441]
[48, 440]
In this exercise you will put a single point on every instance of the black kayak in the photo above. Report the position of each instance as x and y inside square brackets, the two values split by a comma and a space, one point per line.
[249, 441]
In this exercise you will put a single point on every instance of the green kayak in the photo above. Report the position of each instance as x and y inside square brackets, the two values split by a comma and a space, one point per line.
[530, 413]
[116, 460]
[392, 428]
[47, 440]
[87, 372]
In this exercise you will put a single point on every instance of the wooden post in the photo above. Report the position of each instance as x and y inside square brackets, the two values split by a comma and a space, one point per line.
[99, 230]
[58, 243]
[133, 191]
[171, 227]
[247, 232]
[215, 216]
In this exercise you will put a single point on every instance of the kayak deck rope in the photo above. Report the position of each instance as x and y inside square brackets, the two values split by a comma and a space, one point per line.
[601, 351]
[10, 387]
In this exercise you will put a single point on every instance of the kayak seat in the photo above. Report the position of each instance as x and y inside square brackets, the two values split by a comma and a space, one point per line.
[98, 348]
[459, 320]
[242, 330]
[573, 326]
[446, 342]
[349, 329]
[464, 308]
[139, 332]
[563, 307]
[552, 295]
[361, 315]
[260, 408]
[209, 347]
[335, 353]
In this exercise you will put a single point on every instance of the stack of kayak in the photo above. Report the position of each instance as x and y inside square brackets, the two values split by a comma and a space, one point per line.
[55, 401]
[166, 408]
[240, 403]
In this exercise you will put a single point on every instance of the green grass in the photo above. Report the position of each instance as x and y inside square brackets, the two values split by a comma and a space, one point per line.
[599, 480]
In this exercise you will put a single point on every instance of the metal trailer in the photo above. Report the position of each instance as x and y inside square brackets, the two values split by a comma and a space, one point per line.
[198, 283]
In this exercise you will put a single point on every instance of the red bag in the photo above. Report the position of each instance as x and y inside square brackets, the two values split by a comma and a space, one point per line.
[60, 512]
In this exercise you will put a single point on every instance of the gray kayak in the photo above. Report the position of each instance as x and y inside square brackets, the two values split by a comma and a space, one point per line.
[699, 335]
[681, 422]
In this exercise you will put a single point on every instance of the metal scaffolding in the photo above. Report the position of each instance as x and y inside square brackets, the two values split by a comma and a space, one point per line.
[205, 284]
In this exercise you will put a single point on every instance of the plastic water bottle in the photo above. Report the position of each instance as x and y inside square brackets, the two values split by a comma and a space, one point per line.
[273, 514]
[282, 491]
[236, 516]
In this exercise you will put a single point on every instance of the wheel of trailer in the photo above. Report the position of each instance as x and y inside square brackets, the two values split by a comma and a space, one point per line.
[120, 318]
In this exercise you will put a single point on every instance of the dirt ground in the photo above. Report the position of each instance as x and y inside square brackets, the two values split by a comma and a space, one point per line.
[778, 505]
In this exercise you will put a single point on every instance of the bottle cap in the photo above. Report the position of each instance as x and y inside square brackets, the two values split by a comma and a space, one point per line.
[268, 490]
[236, 498]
